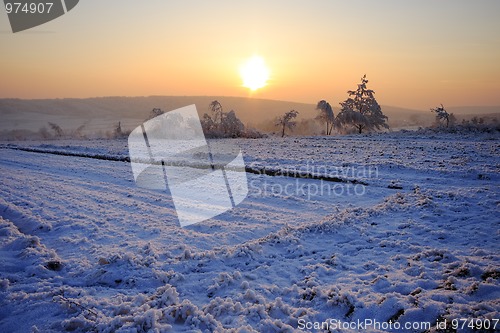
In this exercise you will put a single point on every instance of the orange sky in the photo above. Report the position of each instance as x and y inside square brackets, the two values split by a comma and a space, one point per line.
[416, 54]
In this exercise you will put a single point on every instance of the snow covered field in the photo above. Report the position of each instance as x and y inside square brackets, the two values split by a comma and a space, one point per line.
[409, 236]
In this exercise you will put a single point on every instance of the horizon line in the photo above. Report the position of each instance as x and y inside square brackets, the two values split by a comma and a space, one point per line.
[224, 96]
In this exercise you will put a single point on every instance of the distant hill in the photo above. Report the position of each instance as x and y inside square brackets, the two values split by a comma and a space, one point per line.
[473, 110]
[102, 113]
[98, 112]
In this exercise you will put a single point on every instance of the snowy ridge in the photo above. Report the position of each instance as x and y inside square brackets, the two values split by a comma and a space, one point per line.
[376, 262]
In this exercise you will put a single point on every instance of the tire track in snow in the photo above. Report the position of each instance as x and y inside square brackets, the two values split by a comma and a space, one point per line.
[273, 172]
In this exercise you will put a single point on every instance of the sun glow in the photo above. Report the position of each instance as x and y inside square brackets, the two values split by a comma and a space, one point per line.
[254, 73]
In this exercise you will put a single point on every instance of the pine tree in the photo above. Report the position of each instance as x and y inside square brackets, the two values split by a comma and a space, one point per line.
[362, 110]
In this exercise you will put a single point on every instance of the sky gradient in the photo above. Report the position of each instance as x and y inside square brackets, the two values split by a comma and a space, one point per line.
[416, 54]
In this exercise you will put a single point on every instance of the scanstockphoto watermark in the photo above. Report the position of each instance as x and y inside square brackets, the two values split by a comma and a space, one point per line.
[364, 325]
[311, 180]
[370, 324]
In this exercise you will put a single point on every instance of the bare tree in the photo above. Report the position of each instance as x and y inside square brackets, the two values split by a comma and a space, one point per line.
[286, 121]
[57, 129]
[79, 131]
[326, 115]
[118, 130]
[361, 109]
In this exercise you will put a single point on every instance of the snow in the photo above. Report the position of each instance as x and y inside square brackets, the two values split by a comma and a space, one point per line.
[82, 248]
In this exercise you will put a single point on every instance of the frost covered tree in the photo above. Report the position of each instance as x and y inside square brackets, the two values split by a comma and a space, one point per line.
[207, 123]
[326, 115]
[442, 115]
[217, 112]
[155, 113]
[286, 121]
[362, 110]
[220, 123]
[214, 124]
[231, 126]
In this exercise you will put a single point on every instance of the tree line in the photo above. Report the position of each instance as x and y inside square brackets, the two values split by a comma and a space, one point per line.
[359, 111]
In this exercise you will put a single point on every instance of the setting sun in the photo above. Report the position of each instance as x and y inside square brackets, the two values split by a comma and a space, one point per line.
[254, 73]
